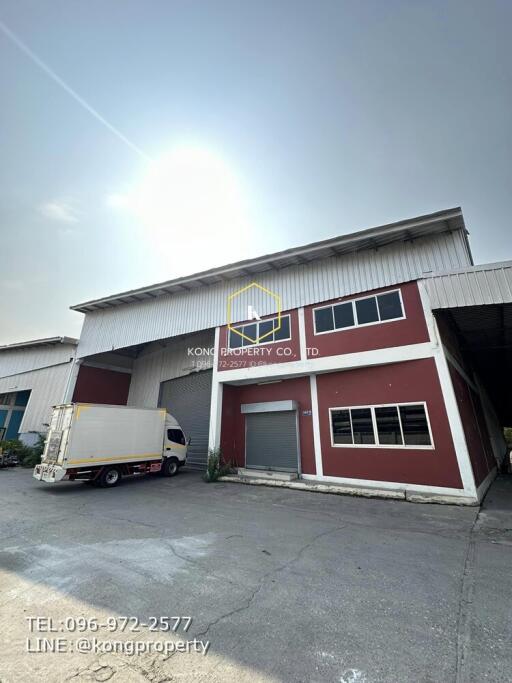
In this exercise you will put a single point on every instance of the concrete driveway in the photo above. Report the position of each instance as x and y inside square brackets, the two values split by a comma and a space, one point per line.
[281, 585]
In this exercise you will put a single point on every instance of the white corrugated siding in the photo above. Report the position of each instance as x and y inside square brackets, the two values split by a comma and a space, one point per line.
[157, 364]
[476, 286]
[47, 387]
[15, 361]
[192, 311]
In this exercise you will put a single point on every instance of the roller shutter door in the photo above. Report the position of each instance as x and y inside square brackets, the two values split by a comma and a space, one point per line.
[271, 441]
[188, 399]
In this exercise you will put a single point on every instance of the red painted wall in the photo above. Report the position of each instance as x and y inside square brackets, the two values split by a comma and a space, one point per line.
[475, 428]
[264, 354]
[233, 422]
[96, 385]
[411, 330]
[398, 382]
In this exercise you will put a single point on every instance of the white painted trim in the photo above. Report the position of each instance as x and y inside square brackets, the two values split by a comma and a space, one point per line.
[354, 312]
[216, 400]
[428, 314]
[448, 393]
[391, 485]
[484, 485]
[317, 442]
[377, 444]
[346, 361]
[455, 420]
[71, 383]
[302, 334]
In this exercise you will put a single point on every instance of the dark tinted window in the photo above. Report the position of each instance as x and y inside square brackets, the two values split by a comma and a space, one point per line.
[324, 321]
[367, 310]
[235, 340]
[388, 425]
[284, 331]
[341, 431]
[343, 315]
[362, 425]
[265, 327]
[415, 426]
[176, 436]
[250, 331]
[390, 306]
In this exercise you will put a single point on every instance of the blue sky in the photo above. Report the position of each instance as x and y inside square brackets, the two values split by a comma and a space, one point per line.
[291, 121]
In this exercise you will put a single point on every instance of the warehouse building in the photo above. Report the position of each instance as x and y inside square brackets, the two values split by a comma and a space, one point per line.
[34, 376]
[373, 359]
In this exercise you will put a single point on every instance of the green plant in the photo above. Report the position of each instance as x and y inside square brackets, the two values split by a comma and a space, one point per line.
[216, 466]
[27, 456]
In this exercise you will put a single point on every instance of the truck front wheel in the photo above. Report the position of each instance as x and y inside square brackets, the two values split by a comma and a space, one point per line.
[170, 467]
[109, 477]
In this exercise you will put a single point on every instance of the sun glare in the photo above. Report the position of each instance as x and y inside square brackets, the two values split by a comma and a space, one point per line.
[191, 200]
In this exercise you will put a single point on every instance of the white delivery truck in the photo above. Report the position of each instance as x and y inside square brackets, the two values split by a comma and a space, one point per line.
[102, 443]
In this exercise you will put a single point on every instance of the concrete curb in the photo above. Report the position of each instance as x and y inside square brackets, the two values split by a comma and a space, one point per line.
[343, 490]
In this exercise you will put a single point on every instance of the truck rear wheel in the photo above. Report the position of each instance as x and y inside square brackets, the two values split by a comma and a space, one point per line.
[109, 477]
[170, 467]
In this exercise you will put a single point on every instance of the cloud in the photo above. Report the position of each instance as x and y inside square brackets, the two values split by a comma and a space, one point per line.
[60, 211]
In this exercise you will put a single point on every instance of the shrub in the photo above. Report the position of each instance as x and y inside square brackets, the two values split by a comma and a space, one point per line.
[215, 465]
[27, 456]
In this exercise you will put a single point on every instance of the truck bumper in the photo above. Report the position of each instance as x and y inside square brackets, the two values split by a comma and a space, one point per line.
[49, 473]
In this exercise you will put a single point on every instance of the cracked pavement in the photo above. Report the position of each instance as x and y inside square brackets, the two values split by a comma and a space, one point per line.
[284, 585]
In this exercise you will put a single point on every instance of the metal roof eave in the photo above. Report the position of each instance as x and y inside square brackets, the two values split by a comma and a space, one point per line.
[371, 238]
[48, 341]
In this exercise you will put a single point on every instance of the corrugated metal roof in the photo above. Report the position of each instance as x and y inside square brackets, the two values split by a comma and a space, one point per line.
[489, 283]
[39, 342]
[138, 322]
[372, 238]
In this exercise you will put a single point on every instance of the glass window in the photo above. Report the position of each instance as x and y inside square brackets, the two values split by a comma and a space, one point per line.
[235, 340]
[284, 331]
[265, 327]
[362, 425]
[176, 436]
[250, 331]
[388, 425]
[324, 320]
[341, 431]
[343, 315]
[415, 425]
[390, 306]
[367, 310]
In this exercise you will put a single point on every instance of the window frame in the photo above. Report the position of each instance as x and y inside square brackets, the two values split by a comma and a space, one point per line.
[354, 312]
[257, 322]
[377, 444]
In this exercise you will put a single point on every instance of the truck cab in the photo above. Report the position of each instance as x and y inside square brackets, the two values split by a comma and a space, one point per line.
[175, 446]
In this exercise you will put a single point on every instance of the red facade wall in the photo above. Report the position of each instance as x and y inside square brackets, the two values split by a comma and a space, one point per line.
[475, 427]
[411, 330]
[233, 422]
[261, 354]
[395, 383]
[96, 385]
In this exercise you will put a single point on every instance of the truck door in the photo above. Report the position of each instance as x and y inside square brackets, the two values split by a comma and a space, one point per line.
[175, 443]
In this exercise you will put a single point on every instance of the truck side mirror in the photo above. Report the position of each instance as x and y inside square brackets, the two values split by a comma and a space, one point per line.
[189, 441]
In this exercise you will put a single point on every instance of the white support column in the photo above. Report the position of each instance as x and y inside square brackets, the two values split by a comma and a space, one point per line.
[316, 427]
[70, 386]
[450, 400]
[302, 334]
[455, 420]
[216, 398]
